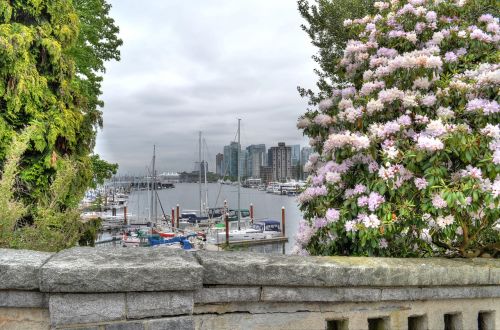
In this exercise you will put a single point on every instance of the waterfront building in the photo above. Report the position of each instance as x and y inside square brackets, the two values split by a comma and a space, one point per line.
[219, 164]
[256, 158]
[266, 174]
[169, 177]
[231, 159]
[281, 162]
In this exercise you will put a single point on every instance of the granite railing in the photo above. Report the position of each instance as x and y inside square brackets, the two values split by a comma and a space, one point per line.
[159, 288]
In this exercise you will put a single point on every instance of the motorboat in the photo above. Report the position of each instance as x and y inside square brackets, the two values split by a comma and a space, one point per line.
[262, 229]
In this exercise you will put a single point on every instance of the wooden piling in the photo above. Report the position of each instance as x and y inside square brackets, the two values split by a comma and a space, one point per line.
[178, 215]
[227, 228]
[283, 221]
[125, 214]
[173, 218]
[251, 212]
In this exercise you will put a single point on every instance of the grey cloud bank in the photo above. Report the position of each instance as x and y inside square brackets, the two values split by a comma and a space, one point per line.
[190, 66]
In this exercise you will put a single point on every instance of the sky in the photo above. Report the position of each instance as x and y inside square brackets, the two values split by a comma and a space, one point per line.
[199, 65]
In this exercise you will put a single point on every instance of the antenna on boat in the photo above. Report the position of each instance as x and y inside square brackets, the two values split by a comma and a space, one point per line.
[239, 174]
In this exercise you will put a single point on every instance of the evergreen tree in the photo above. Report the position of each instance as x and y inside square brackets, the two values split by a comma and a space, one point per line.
[52, 55]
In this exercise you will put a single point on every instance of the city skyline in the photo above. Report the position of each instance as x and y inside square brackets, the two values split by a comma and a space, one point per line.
[212, 158]
[188, 67]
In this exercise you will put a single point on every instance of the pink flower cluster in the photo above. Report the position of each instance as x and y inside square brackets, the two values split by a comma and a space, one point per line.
[332, 215]
[487, 106]
[322, 120]
[312, 192]
[396, 173]
[304, 233]
[358, 189]
[335, 141]
[370, 87]
[303, 123]
[325, 104]
[429, 143]
[438, 202]
[369, 221]
[442, 222]
[472, 172]
[420, 183]
[375, 200]
[320, 223]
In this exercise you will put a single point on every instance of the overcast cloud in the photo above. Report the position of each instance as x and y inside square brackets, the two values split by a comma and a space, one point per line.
[199, 65]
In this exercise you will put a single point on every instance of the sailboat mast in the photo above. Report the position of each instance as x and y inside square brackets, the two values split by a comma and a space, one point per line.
[239, 175]
[150, 187]
[154, 186]
[199, 170]
[205, 166]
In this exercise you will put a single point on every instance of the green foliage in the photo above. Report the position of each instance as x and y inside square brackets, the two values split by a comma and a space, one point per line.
[325, 27]
[89, 233]
[52, 55]
[102, 170]
[48, 225]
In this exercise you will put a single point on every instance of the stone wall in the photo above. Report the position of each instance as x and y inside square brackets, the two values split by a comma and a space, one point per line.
[159, 288]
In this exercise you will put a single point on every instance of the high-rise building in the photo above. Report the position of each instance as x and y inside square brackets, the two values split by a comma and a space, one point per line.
[219, 164]
[304, 157]
[243, 164]
[266, 174]
[281, 162]
[256, 158]
[295, 154]
[231, 159]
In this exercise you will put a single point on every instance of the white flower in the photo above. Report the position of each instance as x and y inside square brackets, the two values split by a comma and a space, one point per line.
[303, 123]
[429, 143]
[325, 104]
[437, 37]
[435, 128]
[391, 152]
[374, 106]
[421, 83]
[445, 113]
[333, 177]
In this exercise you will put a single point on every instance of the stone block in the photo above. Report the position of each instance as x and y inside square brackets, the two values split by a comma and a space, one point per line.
[401, 294]
[20, 269]
[125, 326]
[24, 299]
[460, 292]
[66, 309]
[226, 294]
[174, 323]
[13, 318]
[266, 321]
[120, 270]
[155, 304]
[315, 294]
[241, 268]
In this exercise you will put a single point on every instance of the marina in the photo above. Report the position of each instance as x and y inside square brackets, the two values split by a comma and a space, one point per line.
[265, 207]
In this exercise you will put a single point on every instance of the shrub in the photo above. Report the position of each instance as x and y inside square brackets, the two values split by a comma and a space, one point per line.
[408, 150]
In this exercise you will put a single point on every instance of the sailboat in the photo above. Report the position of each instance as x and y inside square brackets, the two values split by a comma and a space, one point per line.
[243, 229]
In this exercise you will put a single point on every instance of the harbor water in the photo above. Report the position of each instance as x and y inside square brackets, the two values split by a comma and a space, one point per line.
[266, 205]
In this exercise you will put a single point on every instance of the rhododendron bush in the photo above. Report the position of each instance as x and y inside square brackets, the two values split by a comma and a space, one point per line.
[407, 155]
